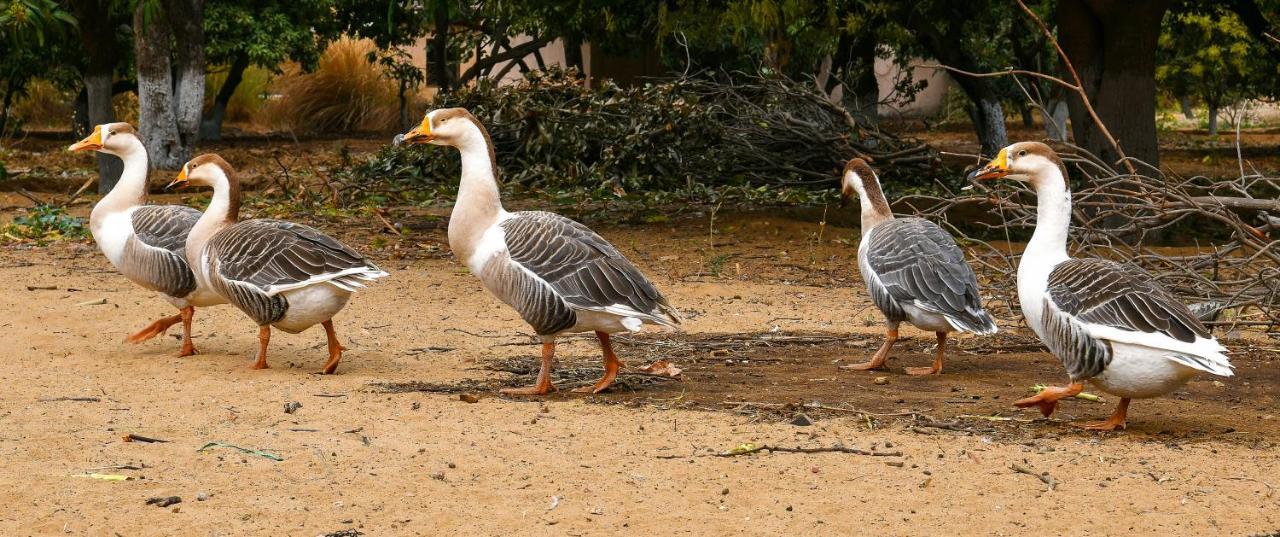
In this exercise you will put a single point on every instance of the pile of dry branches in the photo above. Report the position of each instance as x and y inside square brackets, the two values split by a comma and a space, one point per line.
[1233, 281]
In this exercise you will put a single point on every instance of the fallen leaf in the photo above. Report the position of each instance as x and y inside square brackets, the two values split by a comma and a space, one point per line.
[663, 368]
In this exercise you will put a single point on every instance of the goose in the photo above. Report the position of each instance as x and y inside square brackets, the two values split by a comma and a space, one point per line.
[560, 276]
[146, 243]
[281, 274]
[1111, 324]
[914, 272]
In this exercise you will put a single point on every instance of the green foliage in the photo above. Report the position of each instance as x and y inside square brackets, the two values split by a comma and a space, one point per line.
[268, 32]
[1212, 56]
[34, 42]
[45, 223]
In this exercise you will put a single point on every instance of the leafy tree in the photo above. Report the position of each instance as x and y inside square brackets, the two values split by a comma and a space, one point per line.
[32, 38]
[1210, 55]
[265, 33]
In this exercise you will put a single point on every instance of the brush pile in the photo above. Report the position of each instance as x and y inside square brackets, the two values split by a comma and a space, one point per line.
[553, 133]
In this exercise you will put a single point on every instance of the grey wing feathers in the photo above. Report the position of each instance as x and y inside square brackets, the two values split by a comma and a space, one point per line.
[1121, 296]
[275, 255]
[915, 262]
[164, 226]
[155, 255]
[584, 269]
[1083, 355]
[1081, 292]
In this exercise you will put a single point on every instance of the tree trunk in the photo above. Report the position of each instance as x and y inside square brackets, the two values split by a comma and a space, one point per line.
[1187, 112]
[98, 40]
[186, 19]
[80, 114]
[573, 52]
[4, 107]
[1055, 121]
[438, 49]
[156, 119]
[988, 121]
[854, 65]
[1112, 44]
[1027, 118]
[211, 129]
[1213, 119]
[986, 112]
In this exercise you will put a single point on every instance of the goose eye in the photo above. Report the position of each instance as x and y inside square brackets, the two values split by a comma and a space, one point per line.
[1022, 153]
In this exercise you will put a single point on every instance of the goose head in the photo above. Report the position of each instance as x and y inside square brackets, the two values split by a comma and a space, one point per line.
[208, 170]
[1028, 162]
[447, 126]
[116, 139]
[854, 180]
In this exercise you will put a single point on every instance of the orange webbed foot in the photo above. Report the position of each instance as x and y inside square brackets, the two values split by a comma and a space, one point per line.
[530, 390]
[872, 365]
[923, 371]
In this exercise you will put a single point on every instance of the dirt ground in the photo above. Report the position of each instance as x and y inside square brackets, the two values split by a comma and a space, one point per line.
[388, 447]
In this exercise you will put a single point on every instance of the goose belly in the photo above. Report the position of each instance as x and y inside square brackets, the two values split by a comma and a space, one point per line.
[603, 321]
[1141, 372]
[203, 297]
[926, 320]
[311, 305]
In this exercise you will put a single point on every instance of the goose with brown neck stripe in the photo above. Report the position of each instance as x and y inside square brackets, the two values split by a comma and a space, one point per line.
[560, 276]
[914, 272]
[146, 243]
[281, 274]
[1109, 323]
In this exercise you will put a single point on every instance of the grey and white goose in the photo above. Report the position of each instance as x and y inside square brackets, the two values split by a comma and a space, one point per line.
[560, 276]
[146, 243]
[1109, 323]
[914, 272]
[281, 274]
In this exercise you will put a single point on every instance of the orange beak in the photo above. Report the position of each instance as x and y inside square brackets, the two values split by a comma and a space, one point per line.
[420, 134]
[180, 180]
[92, 142]
[997, 168]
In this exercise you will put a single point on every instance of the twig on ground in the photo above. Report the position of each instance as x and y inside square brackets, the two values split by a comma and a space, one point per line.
[747, 449]
[1044, 477]
[144, 439]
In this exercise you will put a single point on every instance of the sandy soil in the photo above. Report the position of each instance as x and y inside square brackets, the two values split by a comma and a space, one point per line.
[772, 310]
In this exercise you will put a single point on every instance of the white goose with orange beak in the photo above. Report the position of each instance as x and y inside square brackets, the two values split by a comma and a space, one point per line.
[560, 276]
[1110, 323]
[146, 243]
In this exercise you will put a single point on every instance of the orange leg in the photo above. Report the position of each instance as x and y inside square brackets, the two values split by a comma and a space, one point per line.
[335, 348]
[877, 361]
[1116, 421]
[937, 359]
[188, 348]
[264, 337]
[611, 367]
[1047, 400]
[543, 385]
[153, 329]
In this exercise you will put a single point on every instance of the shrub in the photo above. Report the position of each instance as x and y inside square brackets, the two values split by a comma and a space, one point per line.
[345, 93]
[45, 223]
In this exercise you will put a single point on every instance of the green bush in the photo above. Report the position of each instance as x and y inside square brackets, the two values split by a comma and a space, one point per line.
[45, 223]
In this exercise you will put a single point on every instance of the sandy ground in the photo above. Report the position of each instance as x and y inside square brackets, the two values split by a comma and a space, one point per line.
[763, 339]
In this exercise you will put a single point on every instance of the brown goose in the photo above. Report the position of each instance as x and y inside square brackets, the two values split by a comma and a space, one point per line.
[146, 243]
[1109, 323]
[560, 276]
[914, 272]
[280, 274]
